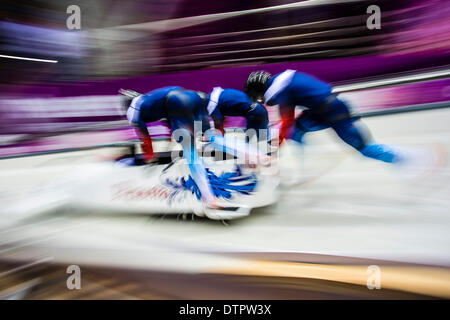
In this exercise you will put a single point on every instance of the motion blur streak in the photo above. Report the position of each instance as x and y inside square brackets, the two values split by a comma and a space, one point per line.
[29, 59]
[75, 190]
[429, 281]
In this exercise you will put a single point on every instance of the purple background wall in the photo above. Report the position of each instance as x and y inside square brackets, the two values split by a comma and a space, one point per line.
[331, 70]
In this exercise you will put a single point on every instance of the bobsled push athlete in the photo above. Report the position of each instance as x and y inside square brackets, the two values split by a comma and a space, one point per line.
[324, 110]
[181, 108]
[234, 103]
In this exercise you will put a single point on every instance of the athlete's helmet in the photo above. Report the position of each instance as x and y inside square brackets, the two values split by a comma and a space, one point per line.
[257, 83]
[127, 96]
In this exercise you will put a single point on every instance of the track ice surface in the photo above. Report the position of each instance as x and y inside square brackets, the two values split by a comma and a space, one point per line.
[354, 207]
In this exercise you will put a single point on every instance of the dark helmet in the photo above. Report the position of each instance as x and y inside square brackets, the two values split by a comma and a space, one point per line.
[257, 83]
[127, 96]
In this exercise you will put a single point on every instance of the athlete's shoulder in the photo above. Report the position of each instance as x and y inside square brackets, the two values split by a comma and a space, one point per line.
[277, 84]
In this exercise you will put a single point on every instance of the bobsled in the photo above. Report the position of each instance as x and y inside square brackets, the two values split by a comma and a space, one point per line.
[128, 185]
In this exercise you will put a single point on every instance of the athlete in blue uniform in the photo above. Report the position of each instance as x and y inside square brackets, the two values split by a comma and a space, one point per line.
[234, 103]
[323, 110]
[181, 108]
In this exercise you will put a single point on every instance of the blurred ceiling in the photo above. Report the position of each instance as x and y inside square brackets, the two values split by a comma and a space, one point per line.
[122, 38]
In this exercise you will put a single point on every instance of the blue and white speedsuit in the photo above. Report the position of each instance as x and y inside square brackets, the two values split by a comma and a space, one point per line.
[181, 108]
[234, 103]
[324, 110]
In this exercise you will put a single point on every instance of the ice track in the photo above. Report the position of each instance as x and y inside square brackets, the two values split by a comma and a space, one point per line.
[354, 207]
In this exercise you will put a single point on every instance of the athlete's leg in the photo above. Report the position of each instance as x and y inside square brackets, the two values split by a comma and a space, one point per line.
[181, 112]
[305, 123]
[258, 119]
[352, 131]
[201, 117]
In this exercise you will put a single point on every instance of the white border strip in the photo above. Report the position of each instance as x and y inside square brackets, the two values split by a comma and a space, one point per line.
[28, 59]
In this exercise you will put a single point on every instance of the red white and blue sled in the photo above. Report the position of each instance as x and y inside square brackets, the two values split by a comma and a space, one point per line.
[129, 186]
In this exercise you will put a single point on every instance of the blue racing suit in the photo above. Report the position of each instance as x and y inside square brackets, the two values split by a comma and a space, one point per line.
[323, 110]
[234, 103]
[181, 108]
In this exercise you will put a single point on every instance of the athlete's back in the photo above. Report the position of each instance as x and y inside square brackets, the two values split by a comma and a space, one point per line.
[233, 102]
[296, 88]
[152, 104]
